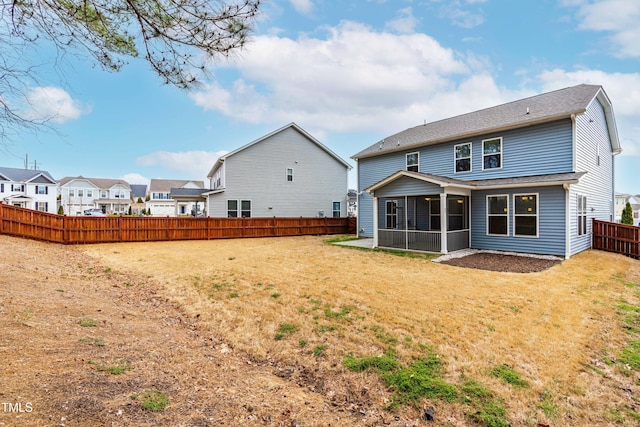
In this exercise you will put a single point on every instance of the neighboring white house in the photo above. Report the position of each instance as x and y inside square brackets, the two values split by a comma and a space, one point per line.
[77, 194]
[166, 197]
[621, 202]
[27, 188]
[287, 173]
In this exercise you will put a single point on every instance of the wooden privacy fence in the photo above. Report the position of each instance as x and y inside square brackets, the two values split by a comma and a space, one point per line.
[32, 224]
[620, 238]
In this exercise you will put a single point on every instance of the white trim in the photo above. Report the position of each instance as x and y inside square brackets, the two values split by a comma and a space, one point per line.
[507, 214]
[376, 224]
[493, 154]
[455, 159]
[443, 222]
[537, 215]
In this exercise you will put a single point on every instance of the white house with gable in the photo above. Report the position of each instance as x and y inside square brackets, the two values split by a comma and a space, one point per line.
[111, 196]
[28, 188]
[287, 173]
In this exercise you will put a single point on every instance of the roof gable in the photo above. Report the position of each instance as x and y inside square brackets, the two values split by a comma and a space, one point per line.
[292, 125]
[25, 175]
[100, 183]
[542, 108]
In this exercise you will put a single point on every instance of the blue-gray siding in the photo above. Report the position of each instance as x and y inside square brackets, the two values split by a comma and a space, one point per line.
[592, 138]
[535, 150]
[551, 227]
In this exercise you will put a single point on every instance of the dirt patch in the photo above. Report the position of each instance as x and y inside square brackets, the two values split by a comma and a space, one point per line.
[504, 263]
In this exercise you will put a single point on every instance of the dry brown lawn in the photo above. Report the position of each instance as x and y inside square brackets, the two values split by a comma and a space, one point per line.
[255, 331]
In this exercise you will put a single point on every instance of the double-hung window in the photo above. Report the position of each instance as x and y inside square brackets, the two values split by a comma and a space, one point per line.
[525, 216]
[462, 157]
[336, 210]
[413, 162]
[582, 214]
[289, 174]
[498, 215]
[492, 154]
[245, 206]
[42, 189]
[232, 208]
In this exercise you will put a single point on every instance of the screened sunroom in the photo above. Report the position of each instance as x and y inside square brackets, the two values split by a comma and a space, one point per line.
[420, 213]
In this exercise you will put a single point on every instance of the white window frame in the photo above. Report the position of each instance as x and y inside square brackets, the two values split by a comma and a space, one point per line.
[501, 153]
[289, 175]
[416, 165]
[80, 192]
[242, 210]
[336, 211]
[581, 214]
[236, 210]
[72, 192]
[537, 215]
[505, 214]
[455, 159]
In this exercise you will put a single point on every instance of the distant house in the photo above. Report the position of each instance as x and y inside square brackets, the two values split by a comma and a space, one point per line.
[634, 201]
[287, 173]
[166, 197]
[526, 176]
[27, 188]
[138, 197]
[111, 196]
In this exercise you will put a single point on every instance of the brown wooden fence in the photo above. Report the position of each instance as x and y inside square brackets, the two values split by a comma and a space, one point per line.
[620, 238]
[32, 224]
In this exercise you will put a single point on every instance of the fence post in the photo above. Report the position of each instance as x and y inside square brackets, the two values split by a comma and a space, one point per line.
[1, 218]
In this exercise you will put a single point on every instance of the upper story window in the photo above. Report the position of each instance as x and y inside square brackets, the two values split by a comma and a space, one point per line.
[103, 194]
[413, 162]
[80, 193]
[2, 188]
[289, 174]
[462, 154]
[89, 193]
[17, 187]
[598, 155]
[525, 216]
[42, 189]
[492, 153]
[72, 192]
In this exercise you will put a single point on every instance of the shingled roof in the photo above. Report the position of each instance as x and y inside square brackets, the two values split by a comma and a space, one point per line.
[542, 108]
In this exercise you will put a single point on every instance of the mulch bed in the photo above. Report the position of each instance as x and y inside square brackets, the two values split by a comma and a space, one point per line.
[500, 262]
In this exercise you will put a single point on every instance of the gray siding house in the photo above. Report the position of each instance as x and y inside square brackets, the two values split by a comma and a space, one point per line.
[287, 173]
[526, 176]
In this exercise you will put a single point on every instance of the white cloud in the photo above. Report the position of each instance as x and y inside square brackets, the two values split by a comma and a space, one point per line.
[354, 79]
[405, 23]
[189, 164]
[460, 15]
[136, 178]
[623, 90]
[619, 18]
[50, 103]
[302, 6]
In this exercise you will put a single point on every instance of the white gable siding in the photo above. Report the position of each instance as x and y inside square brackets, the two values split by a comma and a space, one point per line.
[259, 174]
[592, 138]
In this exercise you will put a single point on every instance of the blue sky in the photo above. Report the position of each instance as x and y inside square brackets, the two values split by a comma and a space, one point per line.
[348, 72]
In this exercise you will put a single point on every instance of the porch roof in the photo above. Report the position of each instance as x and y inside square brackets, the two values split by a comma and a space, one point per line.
[483, 184]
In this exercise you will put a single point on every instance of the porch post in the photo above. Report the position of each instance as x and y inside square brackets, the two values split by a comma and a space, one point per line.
[375, 221]
[443, 223]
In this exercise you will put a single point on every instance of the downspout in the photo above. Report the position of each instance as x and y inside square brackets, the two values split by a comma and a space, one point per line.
[567, 220]
[375, 221]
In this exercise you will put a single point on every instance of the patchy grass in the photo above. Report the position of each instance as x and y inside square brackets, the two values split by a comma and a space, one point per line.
[508, 375]
[153, 400]
[86, 322]
[119, 367]
[98, 342]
